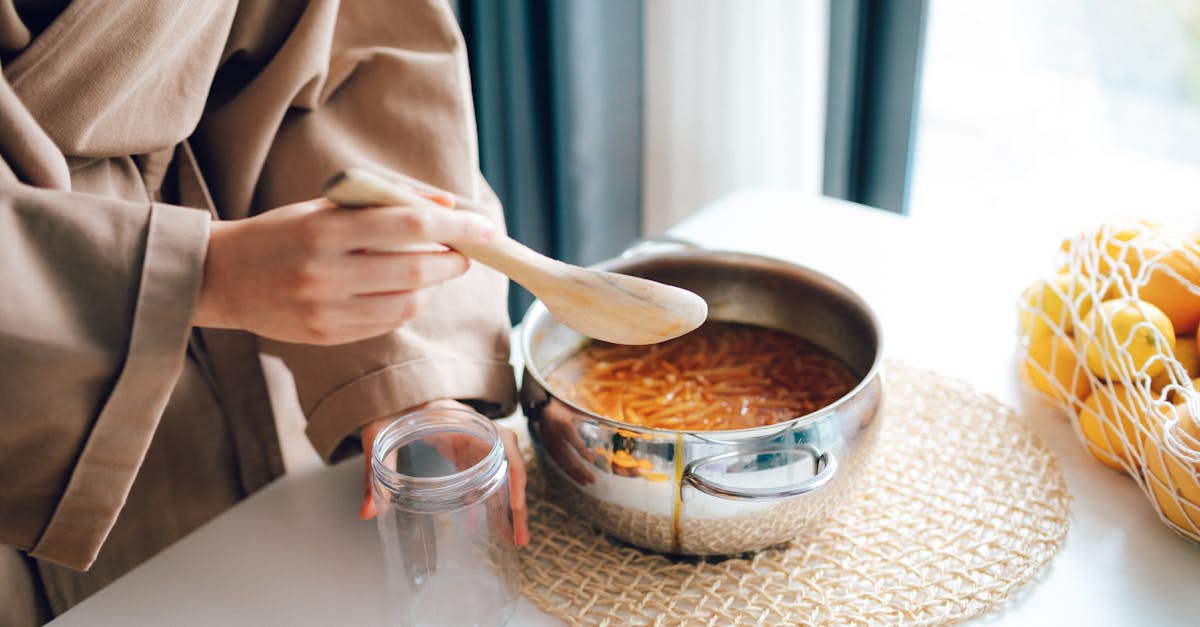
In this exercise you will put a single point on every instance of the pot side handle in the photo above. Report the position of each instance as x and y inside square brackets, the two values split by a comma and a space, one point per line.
[824, 468]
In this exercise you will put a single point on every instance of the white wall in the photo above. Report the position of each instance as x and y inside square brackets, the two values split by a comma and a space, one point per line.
[735, 97]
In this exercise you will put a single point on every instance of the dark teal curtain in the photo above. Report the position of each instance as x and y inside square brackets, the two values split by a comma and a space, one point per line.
[875, 53]
[558, 99]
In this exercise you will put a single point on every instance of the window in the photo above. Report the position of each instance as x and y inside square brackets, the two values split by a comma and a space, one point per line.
[1084, 108]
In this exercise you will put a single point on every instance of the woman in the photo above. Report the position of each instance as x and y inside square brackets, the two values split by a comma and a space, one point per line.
[142, 146]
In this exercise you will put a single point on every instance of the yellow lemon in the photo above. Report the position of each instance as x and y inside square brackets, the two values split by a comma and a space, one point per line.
[1179, 480]
[1110, 241]
[1125, 333]
[1193, 513]
[1195, 340]
[1179, 397]
[1186, 354]
[1051, 366]
[1188, 422]
[1161, 488]
[1107, 422]
[1171, 281]
[1054, 303]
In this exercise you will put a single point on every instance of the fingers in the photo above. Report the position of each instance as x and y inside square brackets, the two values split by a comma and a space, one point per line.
[562, 449]
[460, 449]
[563, 441]
[563, 426]
[581, 448]
[390, 227]
[516, 478]
[369, 432]
[301, 263]
[355, 318]
[569, 463]
[376, 273]
[372, 312]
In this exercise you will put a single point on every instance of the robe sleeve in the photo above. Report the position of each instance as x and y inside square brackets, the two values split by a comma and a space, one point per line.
[381, 84]
[96, 296]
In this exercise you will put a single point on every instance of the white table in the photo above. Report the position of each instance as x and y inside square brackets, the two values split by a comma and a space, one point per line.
[296, 553]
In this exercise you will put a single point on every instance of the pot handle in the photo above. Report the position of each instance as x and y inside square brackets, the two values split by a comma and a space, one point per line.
[650, 245]
[824, 467]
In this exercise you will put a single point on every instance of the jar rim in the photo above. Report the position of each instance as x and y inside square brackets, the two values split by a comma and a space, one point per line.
[442, 489]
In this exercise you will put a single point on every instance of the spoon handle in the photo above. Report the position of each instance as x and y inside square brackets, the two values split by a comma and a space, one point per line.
[516, 260]
[361, 188]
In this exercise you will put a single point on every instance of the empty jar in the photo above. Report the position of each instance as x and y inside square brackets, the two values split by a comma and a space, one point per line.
[441, 487]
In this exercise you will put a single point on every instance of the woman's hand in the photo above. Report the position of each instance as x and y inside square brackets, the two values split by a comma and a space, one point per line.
[564, 444]
[512, 450]
[313, 273]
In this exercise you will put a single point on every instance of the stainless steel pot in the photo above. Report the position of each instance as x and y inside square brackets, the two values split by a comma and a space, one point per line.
[712, 492]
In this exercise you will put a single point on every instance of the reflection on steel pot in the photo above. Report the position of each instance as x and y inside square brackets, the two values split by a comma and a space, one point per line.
[712, 492]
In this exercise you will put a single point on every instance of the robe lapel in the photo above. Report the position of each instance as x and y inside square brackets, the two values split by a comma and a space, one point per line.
[122, 78]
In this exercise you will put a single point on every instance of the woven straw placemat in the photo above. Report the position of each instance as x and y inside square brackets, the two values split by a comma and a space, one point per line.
[961, 506]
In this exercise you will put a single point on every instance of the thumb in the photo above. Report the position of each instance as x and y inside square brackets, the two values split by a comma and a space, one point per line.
[367, 511]
[369, 431]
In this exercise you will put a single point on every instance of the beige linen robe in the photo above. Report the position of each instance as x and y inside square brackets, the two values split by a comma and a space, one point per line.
[122, 125]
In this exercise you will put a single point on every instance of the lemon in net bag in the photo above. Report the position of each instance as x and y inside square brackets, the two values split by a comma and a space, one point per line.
[1110, 339]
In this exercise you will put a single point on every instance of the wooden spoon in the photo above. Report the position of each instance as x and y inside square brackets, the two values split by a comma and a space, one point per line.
[611, 307]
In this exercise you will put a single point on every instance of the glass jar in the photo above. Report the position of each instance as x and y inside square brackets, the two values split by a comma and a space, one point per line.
[441, 488]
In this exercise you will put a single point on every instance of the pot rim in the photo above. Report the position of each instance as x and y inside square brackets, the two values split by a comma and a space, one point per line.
[538, 310]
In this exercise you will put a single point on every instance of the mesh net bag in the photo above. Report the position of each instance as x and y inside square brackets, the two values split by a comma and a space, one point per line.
[1111, 340]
